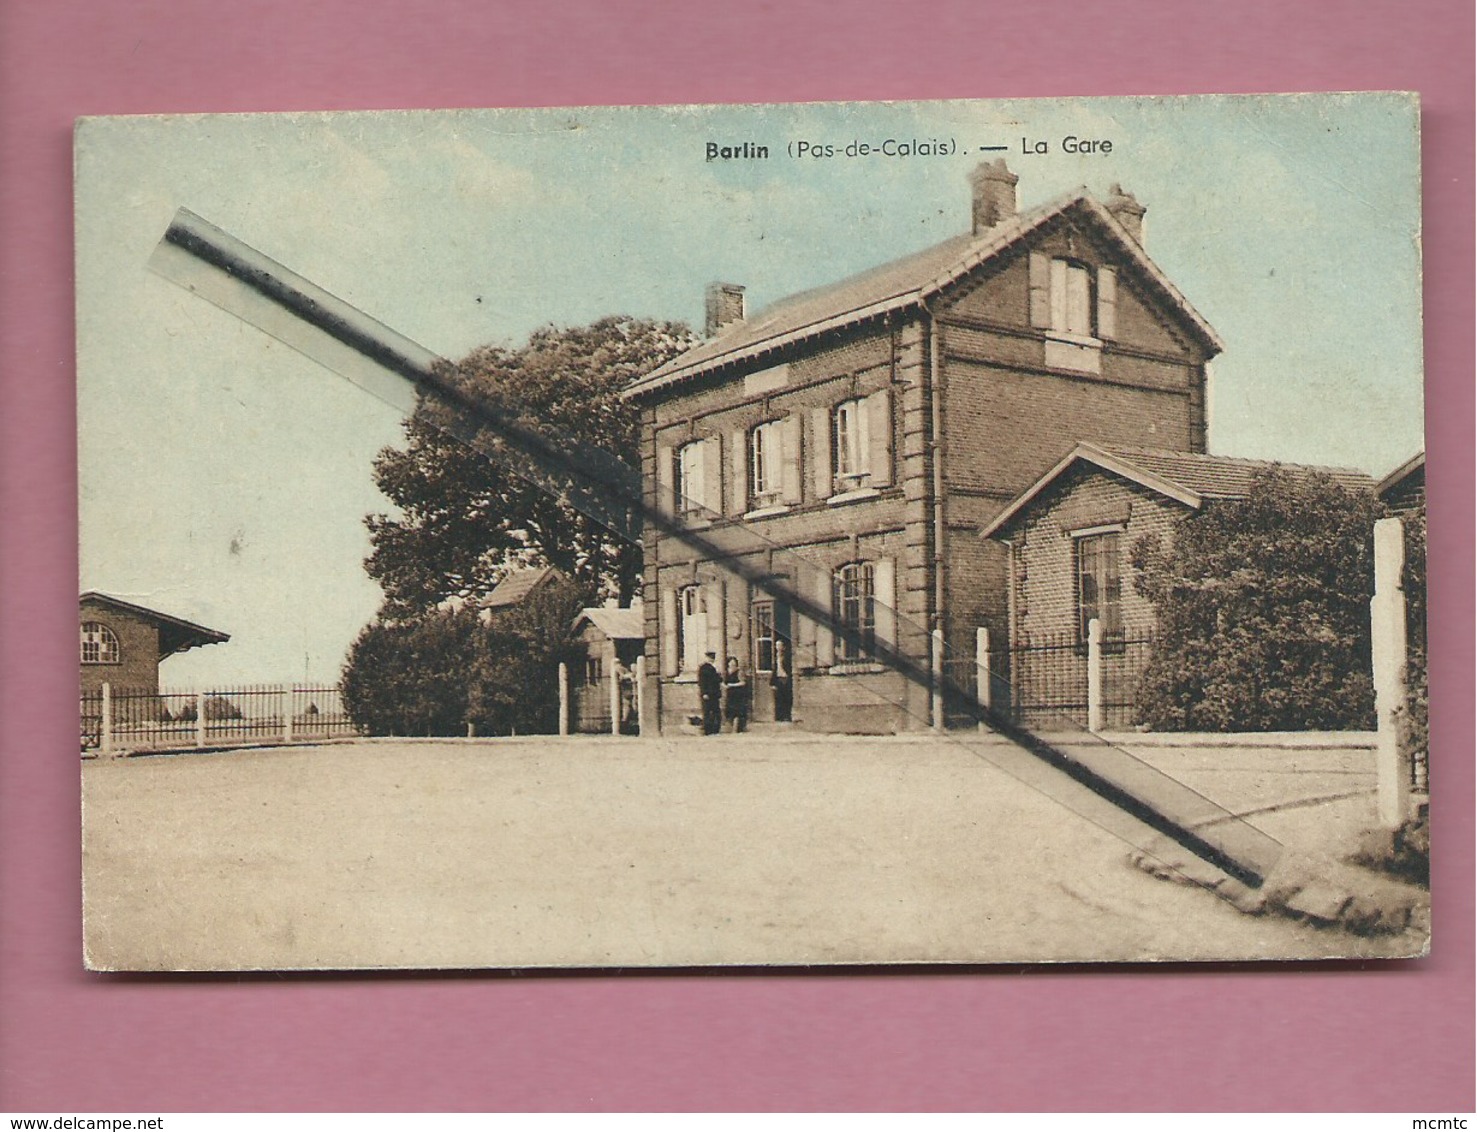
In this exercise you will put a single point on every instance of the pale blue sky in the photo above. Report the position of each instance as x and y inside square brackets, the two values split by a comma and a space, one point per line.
[224, 478]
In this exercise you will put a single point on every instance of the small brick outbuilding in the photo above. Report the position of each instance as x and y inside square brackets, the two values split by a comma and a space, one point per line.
[122, 644]
[1068, 538]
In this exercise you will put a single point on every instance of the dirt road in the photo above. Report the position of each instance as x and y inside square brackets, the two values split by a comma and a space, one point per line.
[626, 852]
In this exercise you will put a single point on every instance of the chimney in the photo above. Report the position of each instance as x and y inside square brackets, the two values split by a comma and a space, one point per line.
[724, 305]
[1127, 211]
[993, 188]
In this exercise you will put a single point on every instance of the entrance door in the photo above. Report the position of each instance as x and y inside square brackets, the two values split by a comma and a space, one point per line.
[772, 665]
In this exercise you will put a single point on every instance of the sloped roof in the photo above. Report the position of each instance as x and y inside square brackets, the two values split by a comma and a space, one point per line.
[900, 284]
[1189, 478]
[175, 633]
[1416, 465]
[517, 585]
[617, 624]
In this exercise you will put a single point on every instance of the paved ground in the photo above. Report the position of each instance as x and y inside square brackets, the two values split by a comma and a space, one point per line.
[604, 852]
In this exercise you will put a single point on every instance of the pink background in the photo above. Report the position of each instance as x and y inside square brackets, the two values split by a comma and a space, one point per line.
[1285, 1037]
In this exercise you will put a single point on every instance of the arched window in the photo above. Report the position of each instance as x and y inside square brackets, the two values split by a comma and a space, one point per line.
[99, 645]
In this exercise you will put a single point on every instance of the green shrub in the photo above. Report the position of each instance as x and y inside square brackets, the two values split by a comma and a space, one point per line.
[1263, 611]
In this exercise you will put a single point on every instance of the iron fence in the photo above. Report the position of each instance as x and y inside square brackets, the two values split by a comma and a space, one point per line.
[1048, 680]
[143, 719]
[589, 708]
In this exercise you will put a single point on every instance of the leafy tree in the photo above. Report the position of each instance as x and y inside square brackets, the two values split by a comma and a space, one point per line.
[461, 518]
[1263, 608]
[435, 673]
[514, 679]
[410, 677]
[1414, 713]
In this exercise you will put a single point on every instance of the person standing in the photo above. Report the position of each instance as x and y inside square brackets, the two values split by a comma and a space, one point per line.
[710, 693]
[782, 681]
[736, 696]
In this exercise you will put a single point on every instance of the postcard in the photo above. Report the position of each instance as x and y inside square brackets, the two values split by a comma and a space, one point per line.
[852, 534]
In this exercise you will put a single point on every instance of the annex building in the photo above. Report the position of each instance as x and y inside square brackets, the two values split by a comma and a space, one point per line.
[849, 446]
[123, 644]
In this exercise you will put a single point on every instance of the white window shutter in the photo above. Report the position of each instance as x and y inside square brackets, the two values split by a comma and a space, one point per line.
[666, 469]
[821, 459]
[1058, 303]
[738, 472]
[878, 418]
[713, 598]
[823, 593]
[790, 459]
[884, 604]
[712, 493]
[1107, 302]
[669, 614]
[1040, 268]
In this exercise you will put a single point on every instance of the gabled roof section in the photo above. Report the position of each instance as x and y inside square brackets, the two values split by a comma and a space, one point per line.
[900, 285]
[1416, 465]
[1188, 478]
[175, 633]
[617, 624]
[517, 585]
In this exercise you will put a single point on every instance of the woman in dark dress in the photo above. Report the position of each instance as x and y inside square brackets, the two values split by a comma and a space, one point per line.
[735, 696]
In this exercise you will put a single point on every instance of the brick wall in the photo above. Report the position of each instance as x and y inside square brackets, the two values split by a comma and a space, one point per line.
[138, 640]
[1007, 416]
[1045, 564]
[814, 536]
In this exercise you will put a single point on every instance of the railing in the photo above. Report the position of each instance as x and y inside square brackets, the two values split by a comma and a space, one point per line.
[1050, 687]
[116, 720]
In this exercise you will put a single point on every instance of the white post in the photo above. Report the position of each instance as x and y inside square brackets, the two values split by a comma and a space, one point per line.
[105, 739]
[199, 719]
[615, 694]
[1094, 675]
[287, 713]
[936, 669]
[982, 670]
[641, 695]
[1387, 638]
[563, 698]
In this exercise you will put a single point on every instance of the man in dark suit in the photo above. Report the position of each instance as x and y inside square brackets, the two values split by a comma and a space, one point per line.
[710, 692]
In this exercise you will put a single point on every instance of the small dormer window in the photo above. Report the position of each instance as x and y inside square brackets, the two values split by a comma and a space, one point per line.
[99, 644]
[1076, 304]
[1071, 298]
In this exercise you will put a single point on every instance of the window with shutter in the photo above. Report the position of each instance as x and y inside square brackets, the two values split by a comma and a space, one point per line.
[1065, 302]
[766, 464]
[856, 616]
[853, 451]
[692, 628]
[689, 486]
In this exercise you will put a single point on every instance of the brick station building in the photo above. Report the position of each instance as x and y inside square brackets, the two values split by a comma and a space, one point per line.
[849, 444]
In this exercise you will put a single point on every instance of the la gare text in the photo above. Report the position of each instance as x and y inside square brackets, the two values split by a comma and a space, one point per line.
[1069, 144]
